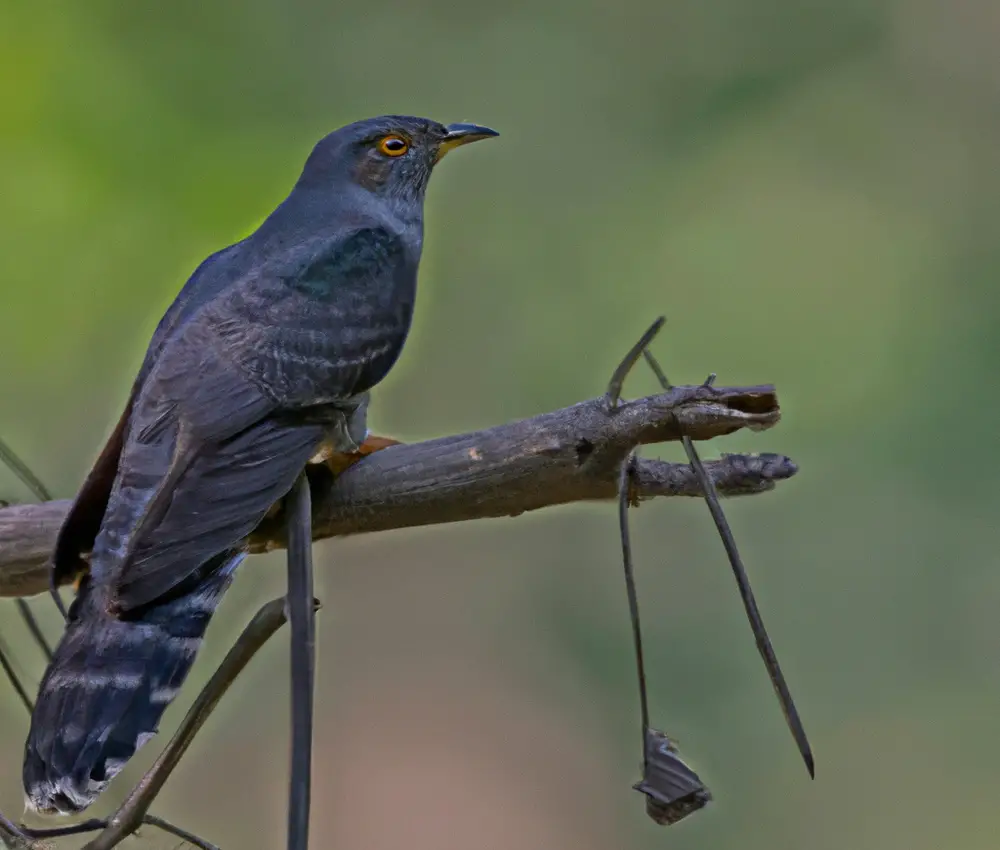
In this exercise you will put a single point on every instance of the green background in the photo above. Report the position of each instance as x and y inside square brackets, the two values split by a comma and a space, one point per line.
[809, 191]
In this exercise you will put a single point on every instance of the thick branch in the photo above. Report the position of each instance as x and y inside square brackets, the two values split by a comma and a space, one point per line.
[568, 455]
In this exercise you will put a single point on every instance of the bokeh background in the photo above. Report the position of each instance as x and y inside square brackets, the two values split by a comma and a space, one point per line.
[809, 190]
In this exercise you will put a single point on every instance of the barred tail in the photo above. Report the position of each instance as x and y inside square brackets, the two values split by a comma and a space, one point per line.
[111, 679]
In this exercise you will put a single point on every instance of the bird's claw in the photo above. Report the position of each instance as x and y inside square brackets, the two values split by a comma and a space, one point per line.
[338, 461]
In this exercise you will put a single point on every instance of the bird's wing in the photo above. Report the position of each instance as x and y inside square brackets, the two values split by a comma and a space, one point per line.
[203, 461]
[215, 437]
[83, 522]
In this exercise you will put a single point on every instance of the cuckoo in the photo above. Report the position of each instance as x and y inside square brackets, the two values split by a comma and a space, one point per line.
[265, 360]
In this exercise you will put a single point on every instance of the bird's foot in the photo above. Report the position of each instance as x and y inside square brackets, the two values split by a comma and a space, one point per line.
[338, 461]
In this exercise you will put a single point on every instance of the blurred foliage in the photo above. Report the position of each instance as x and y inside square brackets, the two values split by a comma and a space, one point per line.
[808, 190]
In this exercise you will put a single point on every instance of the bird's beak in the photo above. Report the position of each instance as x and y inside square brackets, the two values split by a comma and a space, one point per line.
[462, 134]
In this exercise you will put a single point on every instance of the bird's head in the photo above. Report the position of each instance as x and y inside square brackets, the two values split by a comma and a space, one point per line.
[391, 156]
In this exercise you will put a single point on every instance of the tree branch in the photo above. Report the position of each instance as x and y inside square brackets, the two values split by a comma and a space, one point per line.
[568, 455]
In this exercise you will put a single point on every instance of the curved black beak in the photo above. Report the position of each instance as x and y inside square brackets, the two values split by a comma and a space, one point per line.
[462, 134]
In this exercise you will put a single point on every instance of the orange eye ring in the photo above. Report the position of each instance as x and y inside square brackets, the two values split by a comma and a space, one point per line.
[393, 146]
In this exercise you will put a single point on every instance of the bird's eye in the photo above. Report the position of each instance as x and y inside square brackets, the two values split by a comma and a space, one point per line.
[393, 146]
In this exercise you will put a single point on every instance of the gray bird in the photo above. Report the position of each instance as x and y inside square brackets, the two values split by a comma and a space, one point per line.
[266, 357]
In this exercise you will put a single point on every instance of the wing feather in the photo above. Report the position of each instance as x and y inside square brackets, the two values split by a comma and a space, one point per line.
[216, 502]
[215, 435]
[80, 529]
[203, 461]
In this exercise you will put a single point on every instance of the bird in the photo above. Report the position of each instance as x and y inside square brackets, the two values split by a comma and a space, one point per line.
[264, 361]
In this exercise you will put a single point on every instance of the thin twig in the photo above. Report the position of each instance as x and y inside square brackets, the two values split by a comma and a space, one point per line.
[672, 789]
[625, 483]
[13, 838]
[31, 837]
[23, 471]
[24, 609]
[617, 382]
[746, 592]
[173, 829]
[8, 668]
[302, 624]
[57, 599]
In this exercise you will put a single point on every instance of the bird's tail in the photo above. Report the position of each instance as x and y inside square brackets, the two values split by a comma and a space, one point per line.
[105, 691]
